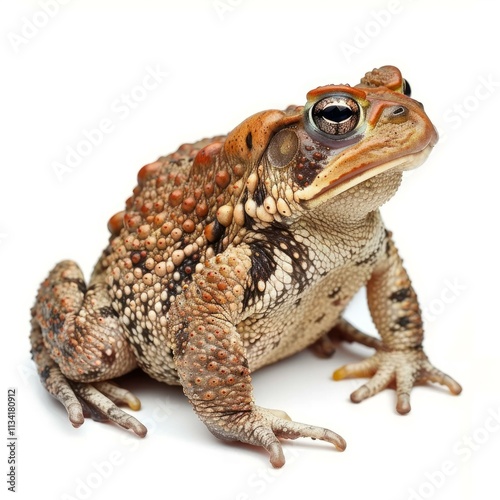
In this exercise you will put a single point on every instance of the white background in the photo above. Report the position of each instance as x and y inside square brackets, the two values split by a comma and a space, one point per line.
[219, 62]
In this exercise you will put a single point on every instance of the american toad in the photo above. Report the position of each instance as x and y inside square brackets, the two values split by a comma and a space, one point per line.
[235, 252]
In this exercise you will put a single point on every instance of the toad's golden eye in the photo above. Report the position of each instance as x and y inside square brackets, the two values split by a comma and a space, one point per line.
[336, 115]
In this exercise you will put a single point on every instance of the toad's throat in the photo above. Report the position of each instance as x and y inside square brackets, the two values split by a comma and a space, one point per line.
[329, 183]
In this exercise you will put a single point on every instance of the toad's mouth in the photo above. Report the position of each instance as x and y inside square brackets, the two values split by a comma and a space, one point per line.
[329, 183]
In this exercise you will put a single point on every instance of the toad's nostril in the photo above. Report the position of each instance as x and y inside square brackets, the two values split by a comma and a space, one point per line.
[397, 114]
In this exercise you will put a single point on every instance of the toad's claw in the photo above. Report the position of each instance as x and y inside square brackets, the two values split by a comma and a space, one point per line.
[400, 369]
[118, 395]
[263, 427]
[100, 399]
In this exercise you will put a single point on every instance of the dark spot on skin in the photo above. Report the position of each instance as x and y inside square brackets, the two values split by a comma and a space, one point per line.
[67, 351]
[263, 267]
[259, 195]
[45, 374]
[37, 349]
[138, 259]
[107, 312]
[249, 140]
[137, 348]
[91, 375]
[334, 293]
[174, 288]
[147, 335]
[185, 270]
[218, 231]
[371, 259]
[264, 263]
[275, 344]
[320, 318]
[182, 336]
[403, 321]
[387, 242]
[121, 303]
[249, 222]
[297, 302]
[400, 295]
[109, 359]
[94, 413]
[78, 282]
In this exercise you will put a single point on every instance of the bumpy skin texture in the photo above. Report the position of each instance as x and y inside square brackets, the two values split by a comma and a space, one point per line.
[235, 252]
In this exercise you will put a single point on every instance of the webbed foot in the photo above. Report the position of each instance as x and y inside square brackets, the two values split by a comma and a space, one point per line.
[263, 427]
[400, 369]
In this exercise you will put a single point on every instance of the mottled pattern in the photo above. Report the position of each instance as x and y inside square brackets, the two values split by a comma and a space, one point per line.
[237, 251]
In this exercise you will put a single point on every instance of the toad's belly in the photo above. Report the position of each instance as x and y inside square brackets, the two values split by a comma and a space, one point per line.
[280, 332]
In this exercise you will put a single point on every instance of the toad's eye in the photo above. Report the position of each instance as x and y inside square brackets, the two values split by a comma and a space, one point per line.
[336, 115]
[406, 88]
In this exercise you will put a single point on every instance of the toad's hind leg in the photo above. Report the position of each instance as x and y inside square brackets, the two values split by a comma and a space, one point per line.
[78, 345]
[343, 331]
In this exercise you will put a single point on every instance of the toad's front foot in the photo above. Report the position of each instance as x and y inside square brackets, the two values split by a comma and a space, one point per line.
[400, 369]
[263, 427]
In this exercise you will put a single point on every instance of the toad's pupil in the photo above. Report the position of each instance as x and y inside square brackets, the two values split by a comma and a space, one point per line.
[336, 113]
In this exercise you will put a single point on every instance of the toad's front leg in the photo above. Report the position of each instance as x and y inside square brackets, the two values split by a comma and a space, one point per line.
[212, 364]
[400, 361]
